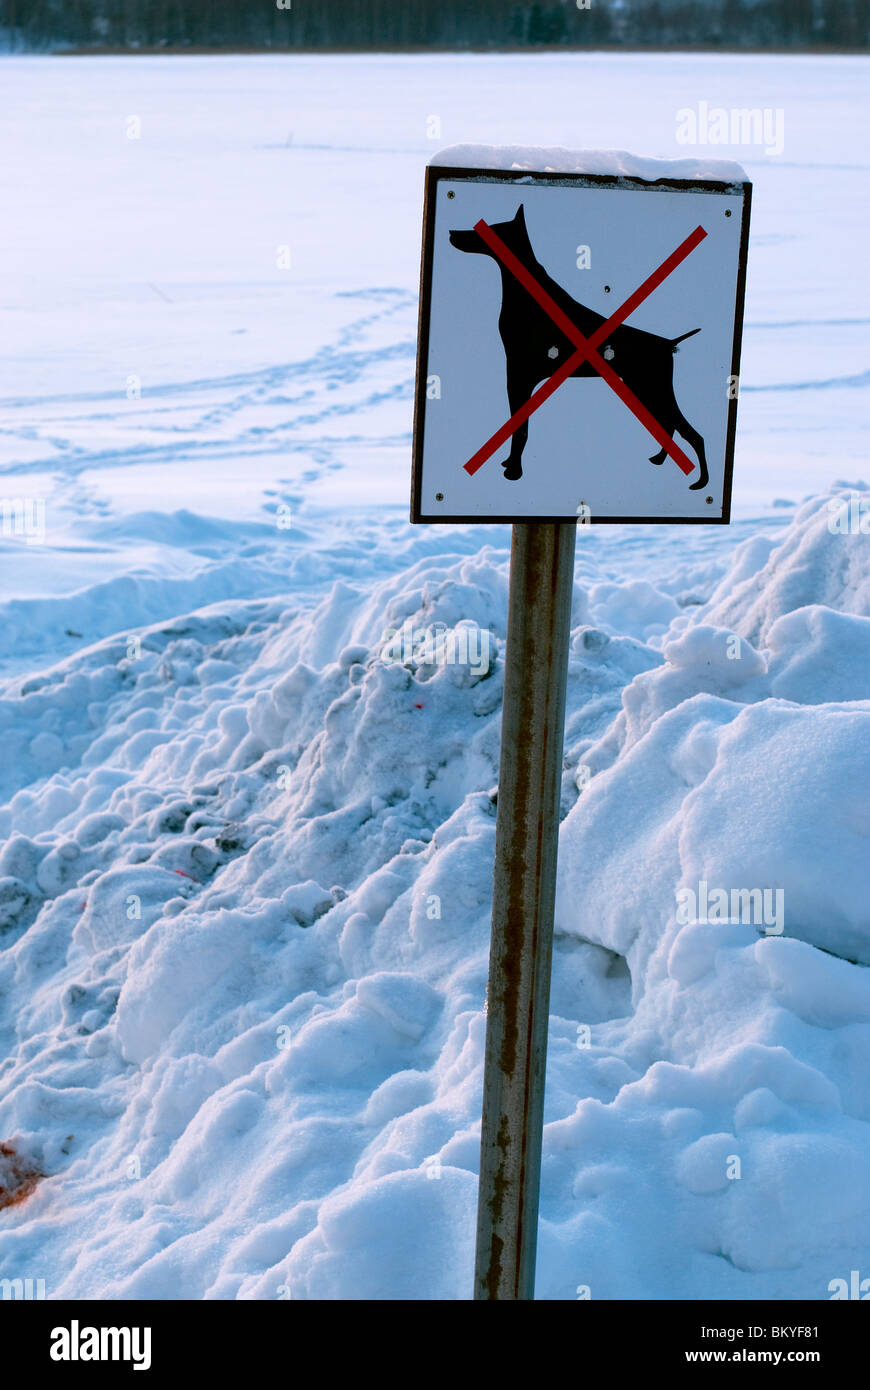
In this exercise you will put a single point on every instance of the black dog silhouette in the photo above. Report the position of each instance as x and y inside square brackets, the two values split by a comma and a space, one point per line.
[534, 346]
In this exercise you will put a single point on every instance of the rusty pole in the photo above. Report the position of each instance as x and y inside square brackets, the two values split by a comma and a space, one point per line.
[524, 890]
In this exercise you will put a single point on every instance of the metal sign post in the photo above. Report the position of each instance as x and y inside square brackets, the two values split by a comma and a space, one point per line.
[524, 890]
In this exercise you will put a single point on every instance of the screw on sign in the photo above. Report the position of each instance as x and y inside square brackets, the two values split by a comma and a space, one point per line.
[512, 322]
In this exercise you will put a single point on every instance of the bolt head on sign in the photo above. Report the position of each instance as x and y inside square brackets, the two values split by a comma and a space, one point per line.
[583, 330]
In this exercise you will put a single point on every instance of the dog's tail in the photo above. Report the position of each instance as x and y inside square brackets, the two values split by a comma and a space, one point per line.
[682, 338]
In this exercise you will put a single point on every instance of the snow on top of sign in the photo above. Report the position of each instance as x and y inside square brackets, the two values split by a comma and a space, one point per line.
[559, 160]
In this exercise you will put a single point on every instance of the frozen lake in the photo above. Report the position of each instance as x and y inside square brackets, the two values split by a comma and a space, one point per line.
[157, 359]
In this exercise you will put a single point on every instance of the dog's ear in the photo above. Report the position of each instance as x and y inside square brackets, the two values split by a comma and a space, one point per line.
[520, 216]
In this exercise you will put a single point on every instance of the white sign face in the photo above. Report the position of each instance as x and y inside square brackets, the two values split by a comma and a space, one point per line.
[579, 347]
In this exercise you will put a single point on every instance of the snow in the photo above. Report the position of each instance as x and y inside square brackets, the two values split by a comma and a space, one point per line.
[245, 877]
[556, 159]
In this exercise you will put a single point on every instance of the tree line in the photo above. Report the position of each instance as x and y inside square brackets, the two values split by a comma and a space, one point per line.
[445, 24]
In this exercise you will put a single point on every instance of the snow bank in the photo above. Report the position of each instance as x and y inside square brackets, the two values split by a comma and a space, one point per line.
[244, 915]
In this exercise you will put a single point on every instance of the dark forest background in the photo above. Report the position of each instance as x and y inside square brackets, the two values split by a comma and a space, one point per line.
[403, 24]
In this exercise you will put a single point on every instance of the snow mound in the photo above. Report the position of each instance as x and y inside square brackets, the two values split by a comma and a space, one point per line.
[244, 914]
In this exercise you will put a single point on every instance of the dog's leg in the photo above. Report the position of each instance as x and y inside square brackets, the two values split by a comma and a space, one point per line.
[697, 444]
[654, 388]
[519, 390]
[674, 421]
[691, 435]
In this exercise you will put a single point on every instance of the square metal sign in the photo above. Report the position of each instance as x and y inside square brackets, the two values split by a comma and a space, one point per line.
[579, 347]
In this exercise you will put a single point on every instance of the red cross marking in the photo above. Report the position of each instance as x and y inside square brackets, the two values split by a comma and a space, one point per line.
[586, 347]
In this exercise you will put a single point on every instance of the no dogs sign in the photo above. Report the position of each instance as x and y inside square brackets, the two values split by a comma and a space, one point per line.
[579, 345]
